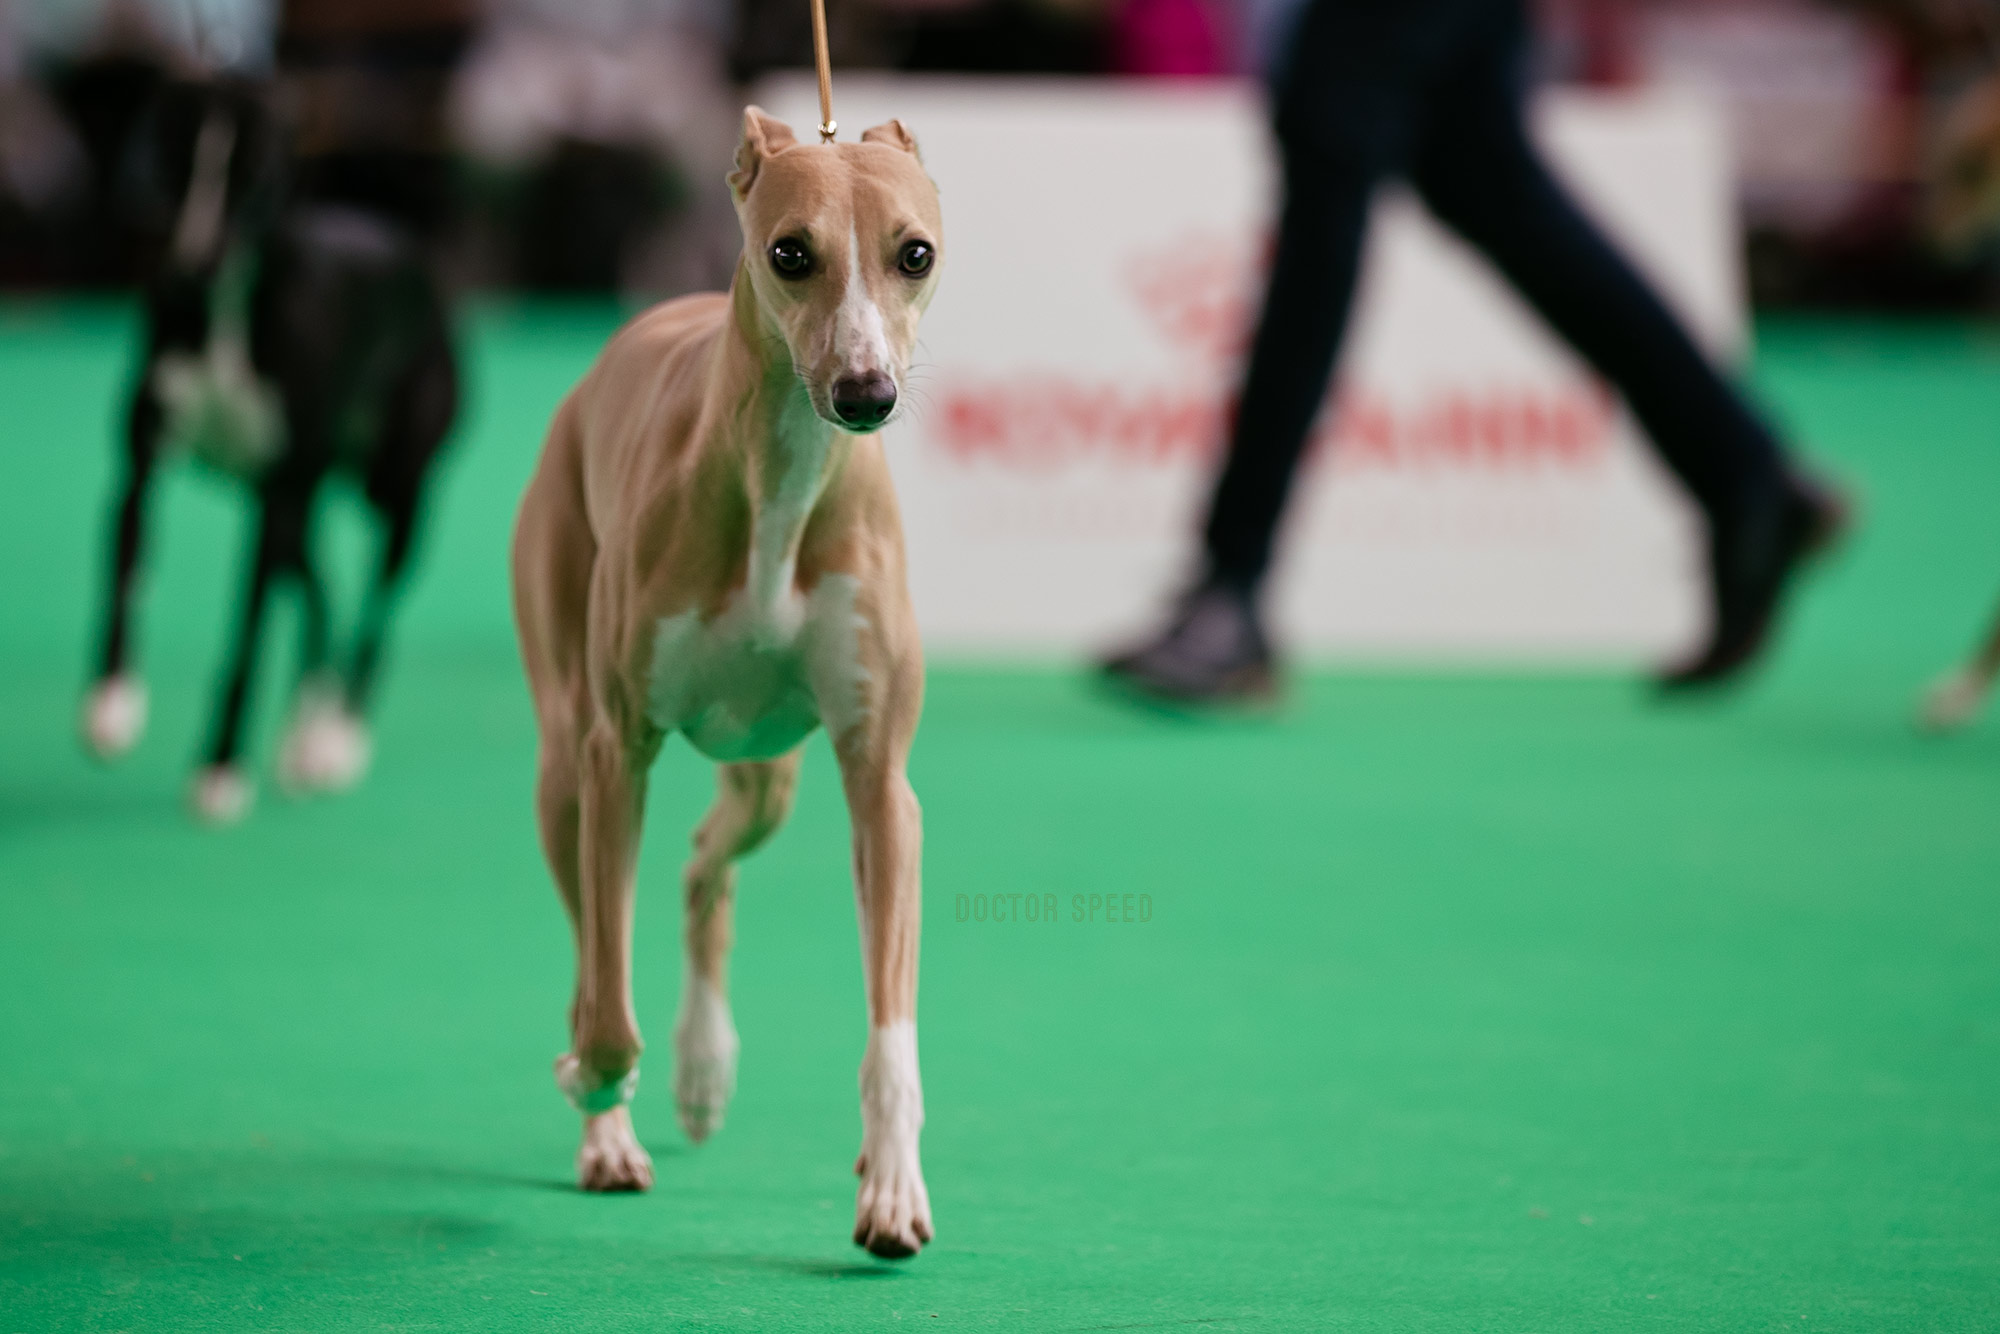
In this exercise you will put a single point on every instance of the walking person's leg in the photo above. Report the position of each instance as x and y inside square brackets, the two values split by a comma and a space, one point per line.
[1478, 171]
[1345, 120]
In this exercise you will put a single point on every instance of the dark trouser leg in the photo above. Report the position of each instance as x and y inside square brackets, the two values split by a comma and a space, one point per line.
[1476, 168]
[1346, 118]
[1305, 312]
[1478, 172]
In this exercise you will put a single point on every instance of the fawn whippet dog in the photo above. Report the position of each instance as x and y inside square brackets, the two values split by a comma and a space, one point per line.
[711, 546]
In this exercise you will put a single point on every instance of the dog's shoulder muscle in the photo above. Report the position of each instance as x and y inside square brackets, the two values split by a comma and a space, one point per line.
[637, 421]
[641, 404]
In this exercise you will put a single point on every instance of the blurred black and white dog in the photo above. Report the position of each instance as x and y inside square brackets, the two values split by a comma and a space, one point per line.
[286, 342]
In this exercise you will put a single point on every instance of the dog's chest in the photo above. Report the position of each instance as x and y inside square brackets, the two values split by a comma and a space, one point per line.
[752, 683]
[213, 402]
[218, 408]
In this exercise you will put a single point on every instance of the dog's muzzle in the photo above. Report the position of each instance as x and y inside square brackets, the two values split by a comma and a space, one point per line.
[863, 402]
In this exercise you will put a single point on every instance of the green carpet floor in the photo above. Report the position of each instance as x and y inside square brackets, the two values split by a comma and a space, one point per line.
[1466, 1003]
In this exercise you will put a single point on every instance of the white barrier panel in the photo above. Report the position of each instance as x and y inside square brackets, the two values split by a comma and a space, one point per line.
[1478, 495]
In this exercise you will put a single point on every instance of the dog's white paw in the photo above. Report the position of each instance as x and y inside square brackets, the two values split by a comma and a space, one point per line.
[611, 1157]
[1953, 701]
[114, 716]
[892, 1210]
[219, 795]
[705, 1047]
[326, 748]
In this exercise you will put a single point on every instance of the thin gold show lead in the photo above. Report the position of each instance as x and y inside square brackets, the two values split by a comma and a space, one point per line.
[826, 121]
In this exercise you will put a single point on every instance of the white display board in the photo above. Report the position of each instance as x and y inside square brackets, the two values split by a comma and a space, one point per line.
[1477, 494]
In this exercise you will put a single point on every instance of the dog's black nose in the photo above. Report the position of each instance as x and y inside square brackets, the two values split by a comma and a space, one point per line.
[864, 400]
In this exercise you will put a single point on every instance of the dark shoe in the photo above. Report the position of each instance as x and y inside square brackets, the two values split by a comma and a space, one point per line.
[1213, 651]
[1751, 561]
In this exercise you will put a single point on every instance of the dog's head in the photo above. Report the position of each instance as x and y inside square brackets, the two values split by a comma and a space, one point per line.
[841, 247]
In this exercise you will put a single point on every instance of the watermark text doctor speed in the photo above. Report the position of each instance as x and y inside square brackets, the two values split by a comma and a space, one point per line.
[1084, 909]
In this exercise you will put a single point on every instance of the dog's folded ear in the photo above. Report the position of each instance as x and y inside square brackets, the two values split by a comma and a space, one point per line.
[895, 134]
[764, 136]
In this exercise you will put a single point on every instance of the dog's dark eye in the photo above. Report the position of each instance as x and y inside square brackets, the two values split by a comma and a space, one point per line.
[791, 258]
[915, 258]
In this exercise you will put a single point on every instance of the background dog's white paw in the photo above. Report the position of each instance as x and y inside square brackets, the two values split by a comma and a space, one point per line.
[326, 748]
[1953, 701]
[892, 1210]
[705, 1048]
[114, 716]
[219, 795]
[611, 1157]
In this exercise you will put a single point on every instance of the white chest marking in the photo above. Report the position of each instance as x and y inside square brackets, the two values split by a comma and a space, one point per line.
[750, 686]
[218, 408]
[753, 682]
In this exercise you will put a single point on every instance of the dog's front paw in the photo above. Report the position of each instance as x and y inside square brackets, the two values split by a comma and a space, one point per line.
[892, 1210]
[705, 1048]
[114, 716]
[326, 748]
[1954, 701]
[220, 795]
[611, 1157]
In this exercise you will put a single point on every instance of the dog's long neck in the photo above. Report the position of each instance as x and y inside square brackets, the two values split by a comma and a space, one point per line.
[789, 453]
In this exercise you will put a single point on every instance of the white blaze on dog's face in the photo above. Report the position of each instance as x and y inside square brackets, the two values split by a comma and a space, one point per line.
[841, 243]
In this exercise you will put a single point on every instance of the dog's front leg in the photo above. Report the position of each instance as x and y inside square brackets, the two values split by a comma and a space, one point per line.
[221, 793]
[325, 747]
[114, 714]
[601, 1070]
[892, 1215]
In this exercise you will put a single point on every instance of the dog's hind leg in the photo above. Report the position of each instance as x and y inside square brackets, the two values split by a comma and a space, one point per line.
[399, 520]
[321, 750]
[416, 423]
[114, 712]
[328, 747]
[1956, 700]
[751, 801]
[221, 793]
